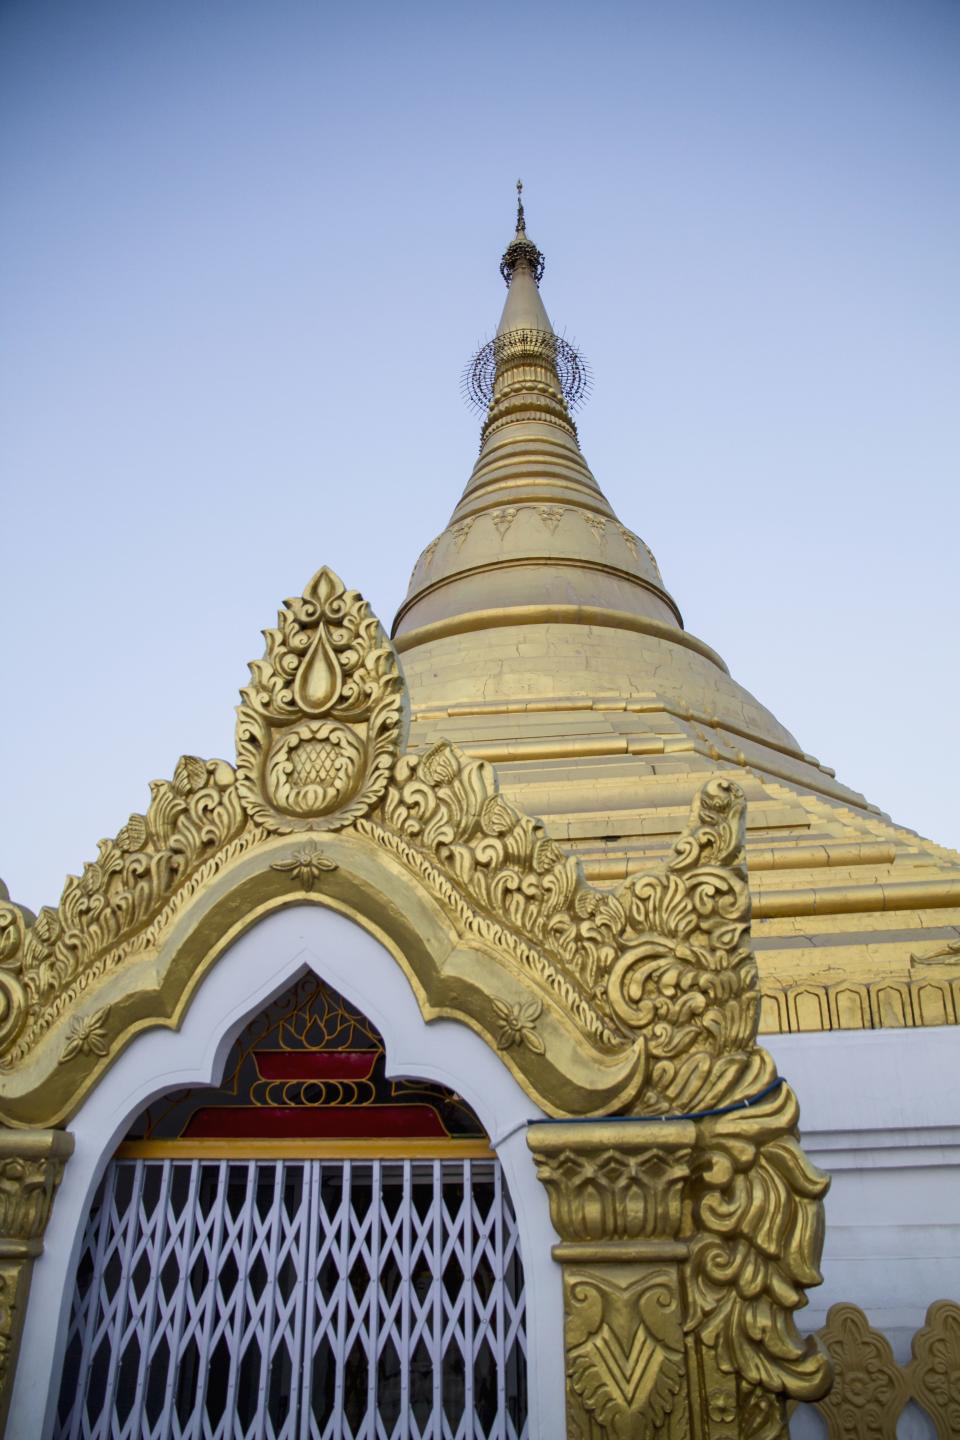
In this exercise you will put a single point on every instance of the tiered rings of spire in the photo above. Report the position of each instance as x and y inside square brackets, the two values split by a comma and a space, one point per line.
[480, 374]
[513, 347]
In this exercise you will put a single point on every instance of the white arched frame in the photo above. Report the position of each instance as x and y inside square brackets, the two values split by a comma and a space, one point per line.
[258, 966]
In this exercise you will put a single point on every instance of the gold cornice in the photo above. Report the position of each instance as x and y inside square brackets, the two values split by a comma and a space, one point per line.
[554, 615]
[247, 1149]
[600, 866]
[827, 855]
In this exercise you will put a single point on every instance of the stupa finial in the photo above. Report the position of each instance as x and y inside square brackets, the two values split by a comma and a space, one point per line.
[521, 251]
[525, 336]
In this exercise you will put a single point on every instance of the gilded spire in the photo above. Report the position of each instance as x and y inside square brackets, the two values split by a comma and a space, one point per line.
[533, 531]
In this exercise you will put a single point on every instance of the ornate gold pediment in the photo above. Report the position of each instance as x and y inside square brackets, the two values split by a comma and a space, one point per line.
[641, 1000]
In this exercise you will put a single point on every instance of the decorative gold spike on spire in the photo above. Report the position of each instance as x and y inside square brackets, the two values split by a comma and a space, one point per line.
[521, 252]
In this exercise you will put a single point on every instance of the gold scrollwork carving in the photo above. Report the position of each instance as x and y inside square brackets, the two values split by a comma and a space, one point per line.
[320, 727]
[13, 1000]
[663, 965]
[757, 1234]
[103, 914]
[512, 884]
[685, 978]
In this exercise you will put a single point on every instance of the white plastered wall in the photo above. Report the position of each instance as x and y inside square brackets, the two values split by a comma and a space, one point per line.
[880, 1112]
[254, 969]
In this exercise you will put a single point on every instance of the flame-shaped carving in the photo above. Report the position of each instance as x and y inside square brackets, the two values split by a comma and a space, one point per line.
[320, 727]
[318, 679]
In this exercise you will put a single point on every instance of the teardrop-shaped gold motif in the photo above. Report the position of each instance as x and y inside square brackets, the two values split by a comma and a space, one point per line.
[318, 681]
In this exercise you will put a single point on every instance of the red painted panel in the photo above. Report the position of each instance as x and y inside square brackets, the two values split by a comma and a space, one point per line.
[323, 1122]
[315, 1064]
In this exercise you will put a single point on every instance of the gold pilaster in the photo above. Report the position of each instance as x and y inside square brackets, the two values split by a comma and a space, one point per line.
[616, 1201]
[31, 1166]
[663, 1317]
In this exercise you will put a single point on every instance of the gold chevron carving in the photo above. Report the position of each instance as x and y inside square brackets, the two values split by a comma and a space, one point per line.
[624, 1349]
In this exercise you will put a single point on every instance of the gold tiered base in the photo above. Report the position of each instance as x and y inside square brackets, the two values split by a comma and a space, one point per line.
[607, 733]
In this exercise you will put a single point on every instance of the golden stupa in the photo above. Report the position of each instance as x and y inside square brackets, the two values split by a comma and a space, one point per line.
[538, 633]
[602, 1026]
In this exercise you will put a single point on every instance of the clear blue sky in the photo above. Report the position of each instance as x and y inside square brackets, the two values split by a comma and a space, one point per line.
[246, 249]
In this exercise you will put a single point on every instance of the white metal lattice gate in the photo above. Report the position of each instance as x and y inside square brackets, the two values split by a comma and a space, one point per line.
[297, 1300]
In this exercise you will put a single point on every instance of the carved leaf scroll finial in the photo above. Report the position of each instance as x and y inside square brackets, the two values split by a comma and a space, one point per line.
[685, 978]
[322, 723]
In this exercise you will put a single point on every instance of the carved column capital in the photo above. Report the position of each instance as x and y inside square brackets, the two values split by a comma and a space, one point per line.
[31, 1167]
[615, 1186]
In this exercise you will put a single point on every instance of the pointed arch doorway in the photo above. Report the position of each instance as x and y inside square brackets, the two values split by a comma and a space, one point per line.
[340, 1286]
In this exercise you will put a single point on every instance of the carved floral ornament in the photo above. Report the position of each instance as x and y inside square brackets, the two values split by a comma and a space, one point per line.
[870, 1390]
